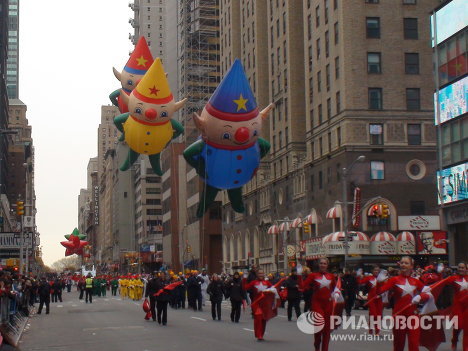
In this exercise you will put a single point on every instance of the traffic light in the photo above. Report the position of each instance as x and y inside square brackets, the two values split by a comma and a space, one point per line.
[376, 210]
[19, 208]
[385, 211]
[306, 227]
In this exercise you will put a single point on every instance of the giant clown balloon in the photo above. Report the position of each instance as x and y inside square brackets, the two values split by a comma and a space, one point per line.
[137, 65]
[229, 151]
[148, 126]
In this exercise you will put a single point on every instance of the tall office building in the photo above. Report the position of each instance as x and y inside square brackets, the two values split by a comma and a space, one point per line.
[12, 77]
[199, 75]
[361, 98]
[449, 23]
[107, 134]
[150, 20]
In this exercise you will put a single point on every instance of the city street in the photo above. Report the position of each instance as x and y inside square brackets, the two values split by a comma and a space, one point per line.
[113, 324]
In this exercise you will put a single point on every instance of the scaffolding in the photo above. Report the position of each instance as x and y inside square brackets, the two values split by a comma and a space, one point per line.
[199, 57]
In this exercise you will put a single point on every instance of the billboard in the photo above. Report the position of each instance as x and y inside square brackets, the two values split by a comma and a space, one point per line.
[418, 222]
[449, 20]
[454, 184]
[452, 100]
[431, 242]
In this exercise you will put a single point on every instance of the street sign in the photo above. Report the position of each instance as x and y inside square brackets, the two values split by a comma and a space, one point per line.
[10, 241]
[28, 222]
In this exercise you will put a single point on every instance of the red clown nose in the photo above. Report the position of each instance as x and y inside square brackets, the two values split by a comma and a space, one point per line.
[151, 113]
[242, 135]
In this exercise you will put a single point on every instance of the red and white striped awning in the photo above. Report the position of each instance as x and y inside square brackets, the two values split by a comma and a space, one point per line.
[333, 237]
[383, 236]
[359, 236]
[297, 223]
[334, 212]
[312, 218]
[405, 236]
[274, 229]
[284, 227]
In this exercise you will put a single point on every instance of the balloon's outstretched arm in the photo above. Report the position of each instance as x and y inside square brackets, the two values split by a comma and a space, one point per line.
[177, 127]
[264, 147]
[120, 120]
[114, 96]
[193, 150]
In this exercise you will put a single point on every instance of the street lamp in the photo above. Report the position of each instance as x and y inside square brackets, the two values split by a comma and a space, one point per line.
[345, 173]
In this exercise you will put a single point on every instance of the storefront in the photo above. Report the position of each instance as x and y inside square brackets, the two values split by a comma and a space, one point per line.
[457, 224]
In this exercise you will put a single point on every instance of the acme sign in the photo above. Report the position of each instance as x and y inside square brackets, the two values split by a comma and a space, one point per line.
[418, 223]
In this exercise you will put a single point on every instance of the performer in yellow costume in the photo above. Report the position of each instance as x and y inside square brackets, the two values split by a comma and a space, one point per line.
[138, 289]
[148, 126]
[123, 283]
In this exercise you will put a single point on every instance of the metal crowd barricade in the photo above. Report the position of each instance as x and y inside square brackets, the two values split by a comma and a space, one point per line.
[14, 314]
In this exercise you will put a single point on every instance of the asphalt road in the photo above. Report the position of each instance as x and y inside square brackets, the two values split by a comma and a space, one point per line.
[113, 324]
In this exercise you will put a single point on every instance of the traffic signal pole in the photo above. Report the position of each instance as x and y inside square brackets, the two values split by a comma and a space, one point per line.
[21, 246]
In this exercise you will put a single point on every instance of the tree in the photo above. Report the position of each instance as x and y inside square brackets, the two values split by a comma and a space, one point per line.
[71, 263]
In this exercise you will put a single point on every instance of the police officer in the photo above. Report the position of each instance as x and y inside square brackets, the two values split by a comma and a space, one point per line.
[294, 295]
[151, 288]
[89, 288]
[162, 299]
[44, 295]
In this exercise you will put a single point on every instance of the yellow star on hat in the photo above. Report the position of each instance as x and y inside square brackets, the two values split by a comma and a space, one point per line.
[241, 103]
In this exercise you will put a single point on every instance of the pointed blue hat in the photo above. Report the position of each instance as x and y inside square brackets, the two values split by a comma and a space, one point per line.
[233, 99]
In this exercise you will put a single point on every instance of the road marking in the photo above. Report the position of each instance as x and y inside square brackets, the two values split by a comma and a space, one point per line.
[106, 299]
[59, 306]
[115, 328]
[282, 316]
[74, 305]
[250, 330]
[201, 319]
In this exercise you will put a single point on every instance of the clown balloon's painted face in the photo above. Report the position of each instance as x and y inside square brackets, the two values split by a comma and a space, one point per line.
[129, 80]
[150, 113]
[230, 133]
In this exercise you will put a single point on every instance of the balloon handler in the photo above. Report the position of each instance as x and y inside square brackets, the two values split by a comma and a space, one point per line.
[229, 151]
[148, 127]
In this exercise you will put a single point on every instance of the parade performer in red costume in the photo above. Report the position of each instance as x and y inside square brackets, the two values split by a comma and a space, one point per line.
[404, 289]
[322, 284]
[264, 302]
[459, 308]
[375, 305]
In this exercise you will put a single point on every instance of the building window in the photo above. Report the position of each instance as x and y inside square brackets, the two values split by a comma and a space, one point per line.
[284, 52]
[417, 208]
[373, 27]
[338, 136]
[338, 102]
[373, 62]
[337, 33]
[413, 101]
[310, 58]
[376, 134]
[327, 3]
[327, 44]
[411, 63]
[320, 180]
[311, 90]
[309, 27]
[284, 22]
[328, 108]
[337, 67]
[335, 4]
[375, 98]
[372, 1]
[377, 170]
[277, 28]
[318, 48]
[414, 134]
[410, 27]
[319, 81]
[317, 16]
[327, 77]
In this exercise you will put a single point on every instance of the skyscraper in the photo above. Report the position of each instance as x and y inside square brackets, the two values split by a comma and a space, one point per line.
[12, 73]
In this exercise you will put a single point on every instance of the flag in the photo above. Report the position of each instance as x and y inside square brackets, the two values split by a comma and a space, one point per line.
[168, 288]
[267, 302]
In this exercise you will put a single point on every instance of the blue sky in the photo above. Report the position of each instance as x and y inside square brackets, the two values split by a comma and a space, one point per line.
[67, 51]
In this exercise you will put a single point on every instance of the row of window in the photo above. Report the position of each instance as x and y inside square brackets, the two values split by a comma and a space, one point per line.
[413, 99]
[410, 28]
[376, 132]
[405, 2]
[374, 63]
